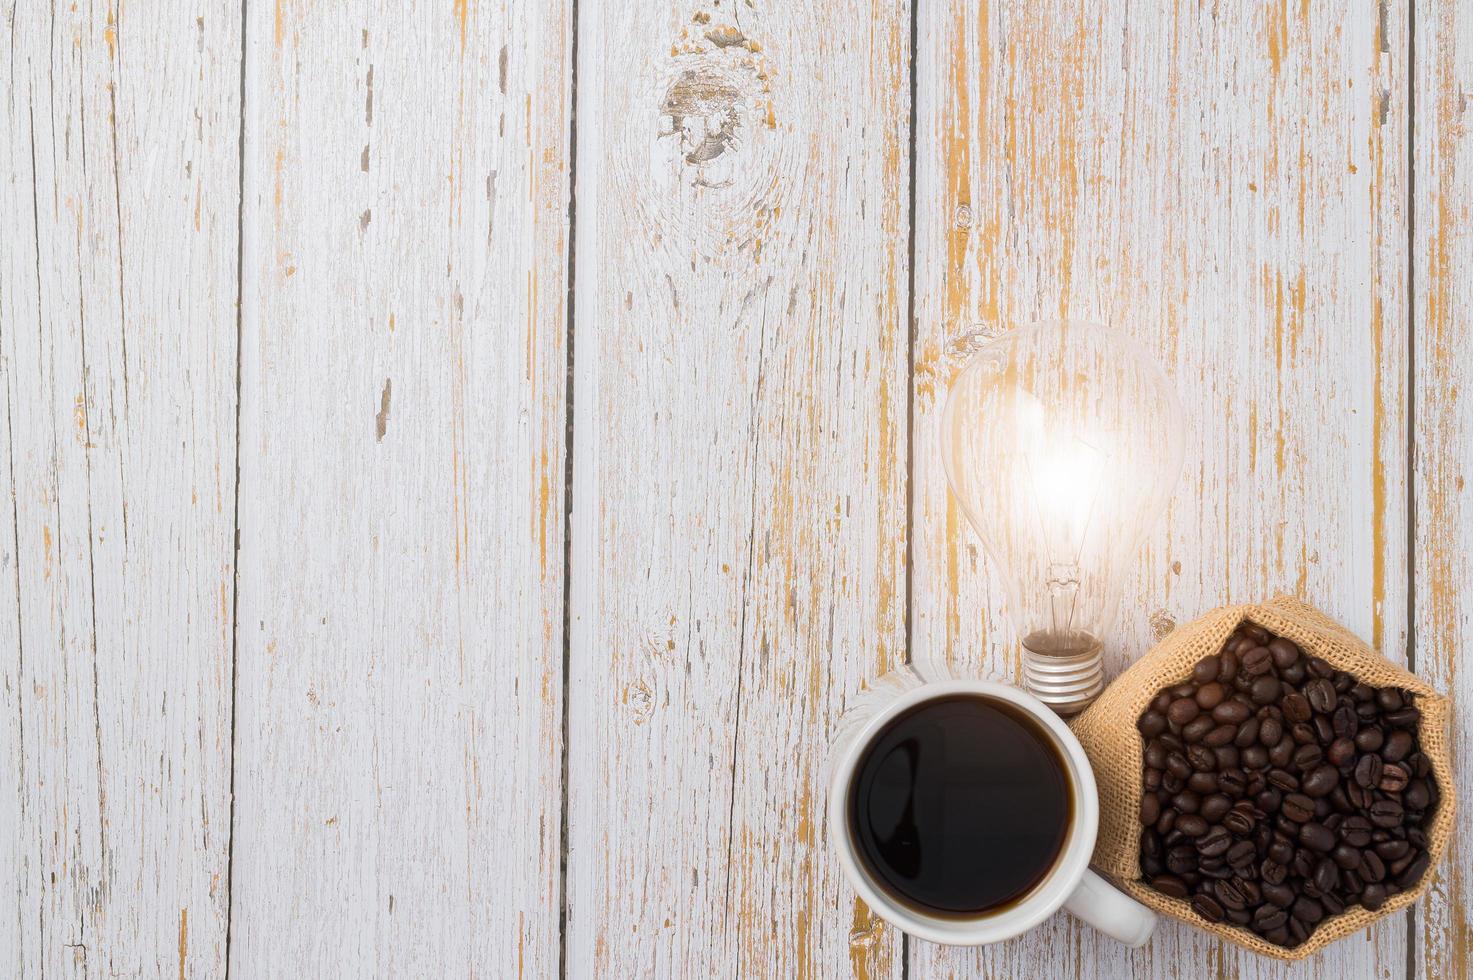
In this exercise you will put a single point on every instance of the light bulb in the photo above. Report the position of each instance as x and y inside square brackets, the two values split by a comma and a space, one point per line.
[1062, 441]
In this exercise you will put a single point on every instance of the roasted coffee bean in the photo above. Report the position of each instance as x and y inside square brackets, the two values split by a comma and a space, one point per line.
[1351, 882]
[1269, 800]
[1215, 869]
[1388, 699]
[1170, 885]
[1231, 713]
[1191, 825]
[1344, 722]
[1186, 801]
[1341, 751]
[1307, 910]
[1150, 808]
[1296, 708]
[1172, 783]
[1293, 674]
[1255, 757]
[1229, 895]
[1265, 689]
[1183, 690]
[1298, 807]
[1403, 718]
[1240, 855]
[1214, 843]
[1247, 733]
[1323, 730]
[1398, 746]
[1355, 830]
[1414, 871]
[1320, 781]
[1385, 813]
[1272, 916]
[1228, 756]
[1303, 733]
[1304, 861]
[1220, 736]
[1368, 771]
[1284, 780]
[1201, 758]
[1315, 836]
[1182, 860]
[1238, 822]
[1321, 694]
[1210, 696]
[1416, 796]
[1206, 669]
[1227, 668]
[1320, 667]
[1326, 876]
[1392, 850]
[1416, 837]
[1272, 873]
[1371, 868]
[1394, 778]
[1214, 807]
[1346, 856]
[1166, 823]
[1151, 724]
[1332, 903]
[1232, 782]
[1257, 662]
[1284, 651]
[1370, 739]
[1207, 907]
[1202, 782]
[1183, 710]
[1254, 632]
[1254, 783]
[1373, 897]
[1193, 730]
[1177, 765]
[1270, 731]
[1152, 779]
[1279, 755]
[1306, 757]
[1359, 798]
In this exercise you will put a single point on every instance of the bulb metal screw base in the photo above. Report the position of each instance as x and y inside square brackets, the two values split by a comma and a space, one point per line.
[1067, 682]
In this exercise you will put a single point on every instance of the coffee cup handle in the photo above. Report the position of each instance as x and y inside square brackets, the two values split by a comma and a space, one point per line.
[1111, 911]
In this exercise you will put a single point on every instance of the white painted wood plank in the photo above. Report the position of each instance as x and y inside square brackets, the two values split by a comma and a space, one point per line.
[1442, 317]
[1227, 187]
[403, 376]
[739, 475]
[117, 360]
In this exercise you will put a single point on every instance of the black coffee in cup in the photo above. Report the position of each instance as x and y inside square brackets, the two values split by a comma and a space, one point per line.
[960, 806]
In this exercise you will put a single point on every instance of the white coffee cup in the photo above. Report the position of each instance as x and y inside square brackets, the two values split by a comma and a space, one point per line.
[1068, 884]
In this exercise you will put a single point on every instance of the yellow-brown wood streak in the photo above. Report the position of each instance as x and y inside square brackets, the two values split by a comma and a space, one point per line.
[1443, 287]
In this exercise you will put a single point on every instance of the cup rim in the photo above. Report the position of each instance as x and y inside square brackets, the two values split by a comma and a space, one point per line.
[1046, 897]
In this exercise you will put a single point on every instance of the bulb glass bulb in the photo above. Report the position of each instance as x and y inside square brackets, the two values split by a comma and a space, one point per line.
[1062, 441]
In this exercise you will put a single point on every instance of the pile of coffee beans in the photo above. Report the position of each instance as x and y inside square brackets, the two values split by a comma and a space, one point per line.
[1279, 791]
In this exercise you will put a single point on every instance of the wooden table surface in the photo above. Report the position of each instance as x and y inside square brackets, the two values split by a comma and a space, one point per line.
[462, 460]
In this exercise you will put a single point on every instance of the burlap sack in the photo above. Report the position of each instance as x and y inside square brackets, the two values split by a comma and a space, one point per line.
[1115, 749]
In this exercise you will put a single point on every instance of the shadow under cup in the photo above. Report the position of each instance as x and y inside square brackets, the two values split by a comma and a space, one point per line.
[960, 806]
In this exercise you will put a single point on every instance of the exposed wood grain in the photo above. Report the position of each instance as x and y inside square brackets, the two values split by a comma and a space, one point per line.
[1442, 315]
[117, 361]
[402, 416]
[739, 475]
[1227, 187]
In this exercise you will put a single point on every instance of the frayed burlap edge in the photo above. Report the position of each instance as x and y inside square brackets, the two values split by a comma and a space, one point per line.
[1114, 746]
